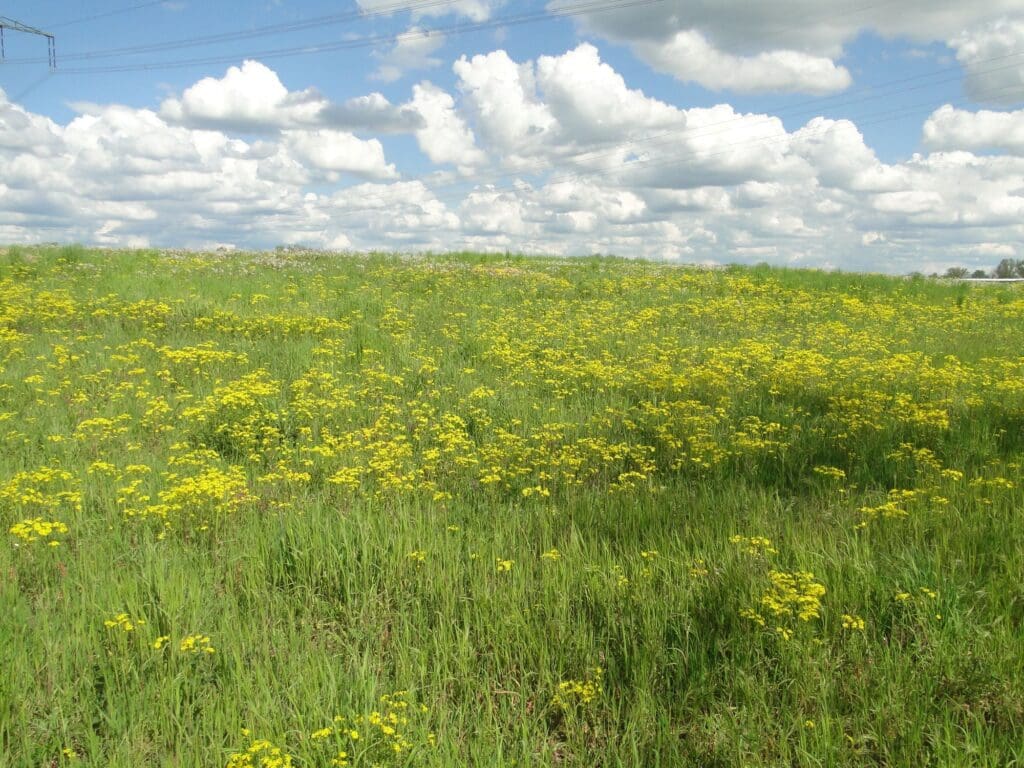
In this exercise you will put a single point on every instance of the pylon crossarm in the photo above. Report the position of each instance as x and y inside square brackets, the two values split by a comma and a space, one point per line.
[17, 26]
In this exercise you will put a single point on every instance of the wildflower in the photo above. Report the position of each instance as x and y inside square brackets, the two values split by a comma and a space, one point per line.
[855, 623]
[195, 644]
[752, 615]
[38, 529]
[756, 546]
[833, 472]
[551, 554]
[504, 566]
[123, 622]
[582, 692]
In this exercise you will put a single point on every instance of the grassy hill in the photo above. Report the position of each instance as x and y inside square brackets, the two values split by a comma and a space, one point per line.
[286, 509]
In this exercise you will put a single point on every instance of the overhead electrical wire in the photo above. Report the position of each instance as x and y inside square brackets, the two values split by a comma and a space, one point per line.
[577, 9]
[105, 14]
[615, 149]
[316, 22]
[270, 29]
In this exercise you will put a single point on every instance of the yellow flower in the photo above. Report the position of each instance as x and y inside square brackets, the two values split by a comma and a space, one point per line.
[123, 622]
[195, 644]
[504, 566]
[853, 622]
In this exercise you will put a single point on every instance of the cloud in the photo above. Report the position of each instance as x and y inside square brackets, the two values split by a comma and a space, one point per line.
[558, 155]
[371, 113]
[444, 137]
[836, 152]
[574, 111]
[952, 128]
[475, 10]
[252, 99]
[125, 176]
[689, 57]
[502, 97]
[774, 45]
[338, 152]
[990, 54]
[412, 51]
[591, 100]
[248, 98]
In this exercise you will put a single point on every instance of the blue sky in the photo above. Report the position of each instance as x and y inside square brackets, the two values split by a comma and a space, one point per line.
[877, 135]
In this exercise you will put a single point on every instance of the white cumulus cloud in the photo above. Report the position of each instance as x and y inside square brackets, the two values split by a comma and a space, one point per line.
[776, 45]
[252, 99]
[952, 128]
[688, 56]
[444, 137]
[990, 53]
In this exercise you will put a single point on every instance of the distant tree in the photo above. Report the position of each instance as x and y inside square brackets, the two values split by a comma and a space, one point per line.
[956, 272]
[979, 273]
[1009, 268]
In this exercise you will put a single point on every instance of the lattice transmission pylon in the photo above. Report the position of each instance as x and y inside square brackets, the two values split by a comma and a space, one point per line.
[17, 26]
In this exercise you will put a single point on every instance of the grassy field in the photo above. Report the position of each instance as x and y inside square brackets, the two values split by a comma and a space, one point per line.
[272, 510]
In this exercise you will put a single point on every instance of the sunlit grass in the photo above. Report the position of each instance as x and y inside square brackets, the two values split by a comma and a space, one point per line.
[277, 510]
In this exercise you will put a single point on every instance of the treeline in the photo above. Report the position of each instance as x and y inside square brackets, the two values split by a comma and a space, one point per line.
[1007, 268]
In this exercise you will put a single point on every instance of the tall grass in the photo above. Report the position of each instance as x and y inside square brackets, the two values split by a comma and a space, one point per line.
[544, 502]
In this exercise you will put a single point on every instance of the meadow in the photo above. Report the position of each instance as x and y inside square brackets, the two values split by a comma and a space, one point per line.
[305, 510]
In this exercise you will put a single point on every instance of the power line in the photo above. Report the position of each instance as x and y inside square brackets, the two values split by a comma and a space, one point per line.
[595, 6]
[106, 14]
[270, 29]
[17, 26]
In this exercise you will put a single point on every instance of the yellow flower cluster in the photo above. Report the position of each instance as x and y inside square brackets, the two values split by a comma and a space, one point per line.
[582, 693]
[38, 529]
[794, 594]
[792, 598]
[757, 546]
[124, 622]
[389, 735]
[853, 622]
[195, 644]
[260, 754]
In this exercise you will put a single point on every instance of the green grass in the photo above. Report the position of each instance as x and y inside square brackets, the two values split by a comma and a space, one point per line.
[340, 453]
